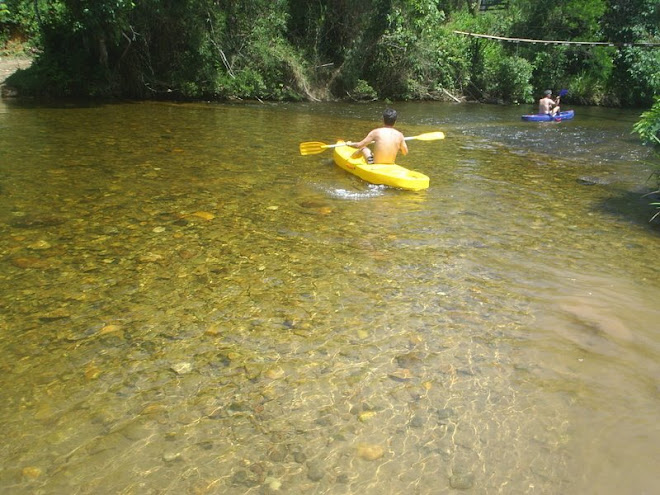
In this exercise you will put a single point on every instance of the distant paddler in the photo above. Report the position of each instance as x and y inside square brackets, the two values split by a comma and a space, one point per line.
[549, 105]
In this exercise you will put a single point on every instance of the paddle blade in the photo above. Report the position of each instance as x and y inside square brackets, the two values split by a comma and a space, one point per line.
[429, 136]
[563, 92]
[312, 148]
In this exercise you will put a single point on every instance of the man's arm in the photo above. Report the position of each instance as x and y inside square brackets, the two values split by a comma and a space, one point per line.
[366, 141]
[403, 147]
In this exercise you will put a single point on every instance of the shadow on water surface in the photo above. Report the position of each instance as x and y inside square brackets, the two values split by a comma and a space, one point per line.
[631, 206]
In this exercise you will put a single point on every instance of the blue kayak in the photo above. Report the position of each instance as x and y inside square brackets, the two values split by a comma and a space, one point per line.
[541, 117]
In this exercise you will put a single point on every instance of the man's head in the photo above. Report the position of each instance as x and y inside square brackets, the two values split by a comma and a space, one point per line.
[547, 92]
[389, 116]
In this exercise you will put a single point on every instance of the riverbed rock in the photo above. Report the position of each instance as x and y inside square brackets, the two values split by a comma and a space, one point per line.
[401, 375]
[172, 456]
[31, 472]
[181, 368]
[409, 360]
[370, 452]
[110, 328]
[315, 471]
[92, 372]
[417, 421]
[40, 245]
[35, 221]
[461, 481]
[299, 456]
[150, 258]
[274, 373]
[588, 180]
[365, 416]
[204, 215]
[30, 262]
[245, 478]
[56, 314]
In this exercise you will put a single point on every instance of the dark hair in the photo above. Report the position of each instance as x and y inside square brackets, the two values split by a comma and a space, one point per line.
[389, 116]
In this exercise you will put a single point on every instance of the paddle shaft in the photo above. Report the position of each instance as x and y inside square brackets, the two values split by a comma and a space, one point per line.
[349, 143]
[428, 136]
[557, 116]
[314, 147]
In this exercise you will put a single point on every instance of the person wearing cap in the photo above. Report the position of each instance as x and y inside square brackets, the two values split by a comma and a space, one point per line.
[547, 105]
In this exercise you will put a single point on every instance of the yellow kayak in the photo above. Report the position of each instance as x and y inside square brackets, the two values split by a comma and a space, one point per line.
[389, 175]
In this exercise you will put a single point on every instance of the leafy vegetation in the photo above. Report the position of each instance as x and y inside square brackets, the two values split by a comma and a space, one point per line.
[655, 176]
[295, 49]
[648, 128]
[656, 193]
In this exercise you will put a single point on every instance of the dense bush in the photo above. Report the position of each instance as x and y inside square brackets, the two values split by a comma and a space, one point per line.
[19, 26]
[636, 78]
[513, 80]
[648, 126]
[295, 49]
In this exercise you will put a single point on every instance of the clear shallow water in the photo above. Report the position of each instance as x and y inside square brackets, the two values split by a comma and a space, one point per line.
[188, 306]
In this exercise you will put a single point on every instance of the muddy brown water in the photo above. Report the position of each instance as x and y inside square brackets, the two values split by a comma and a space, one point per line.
[189, 306]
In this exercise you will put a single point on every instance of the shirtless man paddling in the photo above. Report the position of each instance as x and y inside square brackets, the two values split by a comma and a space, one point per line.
[387, 142]
[547, 105]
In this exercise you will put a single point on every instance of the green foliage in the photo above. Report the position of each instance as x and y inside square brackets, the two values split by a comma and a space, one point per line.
[588, 89]
[274, 65]
[585, 70]
[648, 125]
[655, 176]
[628, 21]
[363, 91]
[648, 128]
[636, 75]
[479, 59]
[502, 77]
[4, 12]
[558, 19]
[296, 49]
[19, 24]
[587, 75]
[157, 48]
[513, 80]
[550, 68]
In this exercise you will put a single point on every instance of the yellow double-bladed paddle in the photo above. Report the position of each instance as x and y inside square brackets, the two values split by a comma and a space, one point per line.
[314, 147]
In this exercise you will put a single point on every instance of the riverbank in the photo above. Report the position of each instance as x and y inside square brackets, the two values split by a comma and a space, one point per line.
[9, 65]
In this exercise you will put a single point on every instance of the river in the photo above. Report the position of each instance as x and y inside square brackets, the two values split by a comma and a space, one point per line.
[190, 306]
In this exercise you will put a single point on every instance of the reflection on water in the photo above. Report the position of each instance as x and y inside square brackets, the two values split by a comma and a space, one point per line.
[190, 307]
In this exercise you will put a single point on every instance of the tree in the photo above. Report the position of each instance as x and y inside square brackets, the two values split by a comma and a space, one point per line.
[635, 76]
[293, 49]
[648, 126]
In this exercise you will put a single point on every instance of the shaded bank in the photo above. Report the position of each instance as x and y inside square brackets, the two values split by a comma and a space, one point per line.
[9, 65]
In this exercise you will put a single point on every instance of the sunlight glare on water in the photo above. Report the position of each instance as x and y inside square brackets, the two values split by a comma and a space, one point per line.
[190, 306]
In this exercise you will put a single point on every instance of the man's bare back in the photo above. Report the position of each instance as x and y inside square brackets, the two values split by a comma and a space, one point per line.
[386, 140]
